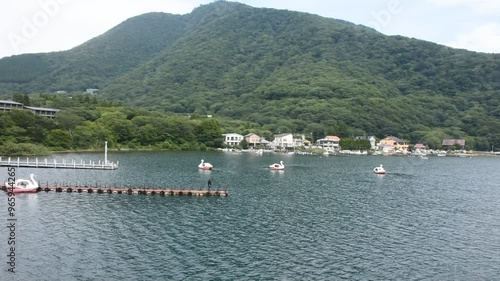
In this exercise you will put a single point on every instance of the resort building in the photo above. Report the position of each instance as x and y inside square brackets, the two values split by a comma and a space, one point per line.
[283, 141]
[419, 146]
[253, 140]
[232, 139]
[394, 143]
[42, 111]
[454, 142]
[329, 143]
[7, 105]
[300, 141]
[265, 143]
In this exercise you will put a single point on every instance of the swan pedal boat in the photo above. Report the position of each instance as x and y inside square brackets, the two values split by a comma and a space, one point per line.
[379, 170]
[277, 166]
[205, 166]
[23, 186]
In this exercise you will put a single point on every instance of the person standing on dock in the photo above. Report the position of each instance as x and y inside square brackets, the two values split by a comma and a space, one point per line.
[209, 183]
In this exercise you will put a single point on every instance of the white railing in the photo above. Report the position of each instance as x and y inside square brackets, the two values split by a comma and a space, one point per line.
[71, 164]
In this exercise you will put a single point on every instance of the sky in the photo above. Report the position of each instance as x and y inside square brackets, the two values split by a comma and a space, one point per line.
[36, 26]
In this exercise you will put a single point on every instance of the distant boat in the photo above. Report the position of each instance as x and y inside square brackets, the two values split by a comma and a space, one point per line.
[277, 166]
[379, 170]
[441, 154]
[205, 166]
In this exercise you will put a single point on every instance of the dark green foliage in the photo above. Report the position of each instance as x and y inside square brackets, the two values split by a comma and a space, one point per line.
[209, 132]
[21, 98]
[354, 144]
[244, 144]
[122, 127]
[280, 71]
[23, 149]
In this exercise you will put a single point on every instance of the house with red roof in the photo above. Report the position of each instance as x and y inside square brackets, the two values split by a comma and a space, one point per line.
[329, 143]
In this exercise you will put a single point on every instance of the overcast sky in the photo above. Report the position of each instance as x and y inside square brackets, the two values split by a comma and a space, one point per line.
[33, 26]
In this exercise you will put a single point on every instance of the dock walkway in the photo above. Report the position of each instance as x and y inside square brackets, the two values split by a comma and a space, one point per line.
[72, 164]
[131, 190]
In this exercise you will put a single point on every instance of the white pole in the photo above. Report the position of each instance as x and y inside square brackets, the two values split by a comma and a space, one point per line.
[105, 152]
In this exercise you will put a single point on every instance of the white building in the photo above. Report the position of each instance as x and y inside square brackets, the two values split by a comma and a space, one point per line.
[232, 139]
[283, 141]
[329, 143]
[300, 141]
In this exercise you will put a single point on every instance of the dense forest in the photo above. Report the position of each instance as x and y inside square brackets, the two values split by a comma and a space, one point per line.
[86, 123]
[278, 71]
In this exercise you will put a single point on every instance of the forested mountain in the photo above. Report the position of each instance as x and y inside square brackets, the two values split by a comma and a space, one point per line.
[283, 71]
[95, 63]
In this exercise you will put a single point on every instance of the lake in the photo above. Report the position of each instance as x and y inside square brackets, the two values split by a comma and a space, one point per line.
[322, 218]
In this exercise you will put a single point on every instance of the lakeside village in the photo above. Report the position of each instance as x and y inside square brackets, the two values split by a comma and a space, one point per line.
[330, 145]
[298, 144]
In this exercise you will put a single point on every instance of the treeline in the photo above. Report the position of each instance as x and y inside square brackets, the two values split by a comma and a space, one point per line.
[86, 122]
[82, 124]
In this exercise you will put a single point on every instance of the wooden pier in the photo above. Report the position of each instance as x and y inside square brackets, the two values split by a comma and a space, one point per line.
[72, 164]
[130, 191]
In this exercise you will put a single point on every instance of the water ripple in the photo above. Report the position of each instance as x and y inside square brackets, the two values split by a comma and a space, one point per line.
[321, 219]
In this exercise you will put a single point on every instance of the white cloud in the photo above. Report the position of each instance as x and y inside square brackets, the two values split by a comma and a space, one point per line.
[485, 38]
[481, 6]
[32, 26]
[24, 29]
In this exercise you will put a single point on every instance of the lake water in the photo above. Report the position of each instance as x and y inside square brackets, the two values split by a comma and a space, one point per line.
[323, 218]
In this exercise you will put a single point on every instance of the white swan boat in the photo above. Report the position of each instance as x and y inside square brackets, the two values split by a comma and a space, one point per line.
[379, 170]
[23, 186]
[205, 166]
[277, 166]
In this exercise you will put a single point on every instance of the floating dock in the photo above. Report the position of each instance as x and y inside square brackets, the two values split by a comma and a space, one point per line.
[71, 164]
[130, 191]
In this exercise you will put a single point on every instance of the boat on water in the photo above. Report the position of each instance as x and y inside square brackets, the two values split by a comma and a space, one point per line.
[379, 170]
[277, 166]
[205, 166]
[23, 186]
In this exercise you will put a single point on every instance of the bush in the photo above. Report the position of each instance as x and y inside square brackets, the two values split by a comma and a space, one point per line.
[23, 149]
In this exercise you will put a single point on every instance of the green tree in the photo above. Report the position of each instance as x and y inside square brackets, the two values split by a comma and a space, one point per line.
[209, 132]
[21, 98]
[119, 125]
[68, 120]
[92, 135]
[244, 144]
[59, 138]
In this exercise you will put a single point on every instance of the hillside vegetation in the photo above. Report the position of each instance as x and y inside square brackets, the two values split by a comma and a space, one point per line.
[95, 63]
[281, 71]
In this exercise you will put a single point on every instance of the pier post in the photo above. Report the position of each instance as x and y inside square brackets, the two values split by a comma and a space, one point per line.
[105, 152]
